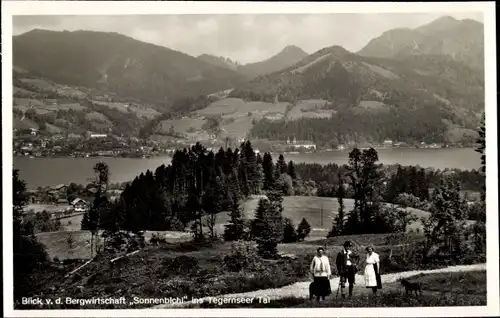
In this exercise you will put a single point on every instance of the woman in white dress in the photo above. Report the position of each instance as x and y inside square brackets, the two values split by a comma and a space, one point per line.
[372, 270]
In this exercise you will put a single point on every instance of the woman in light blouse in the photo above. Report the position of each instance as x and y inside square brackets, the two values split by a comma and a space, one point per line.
[372, 270]
[321, 271]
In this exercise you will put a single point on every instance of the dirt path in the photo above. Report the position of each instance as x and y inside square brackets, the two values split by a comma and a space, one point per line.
[301, 289]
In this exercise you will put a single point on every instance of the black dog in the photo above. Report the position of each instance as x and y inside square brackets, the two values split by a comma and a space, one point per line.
[411, 287]
[311, 291]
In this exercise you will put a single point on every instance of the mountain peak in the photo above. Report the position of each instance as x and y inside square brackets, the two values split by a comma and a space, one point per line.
[287, 57]
[292, 49]
[440, 24]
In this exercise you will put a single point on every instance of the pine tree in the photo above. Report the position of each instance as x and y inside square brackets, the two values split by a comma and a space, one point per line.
[423, 188]
[213, 203]
[85, 223]
[481, 149]
[338, 226]
[272, 227]
[281, 164]
[291, 170]
[258, 223]
[289, 233]
[303, 229]
[268, 171]
[259, 175]
[235, 230]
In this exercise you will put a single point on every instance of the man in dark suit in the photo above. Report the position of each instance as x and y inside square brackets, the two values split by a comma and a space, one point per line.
[346, 267]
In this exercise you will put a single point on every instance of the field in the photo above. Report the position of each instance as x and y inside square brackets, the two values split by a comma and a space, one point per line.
[236, 127]
[238, 114]
[310, 109]
[295, 207]
[47, 207]
[18, 91]
[318, 211]
[369, 106]
[95, 116]
[42, 108]
[52, 129]
[183, 125]
[73, 223]
[26, 123]
[140, 112]
[48, 86]
[57, 243]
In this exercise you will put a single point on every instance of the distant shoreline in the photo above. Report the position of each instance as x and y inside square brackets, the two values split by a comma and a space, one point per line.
[271, 152]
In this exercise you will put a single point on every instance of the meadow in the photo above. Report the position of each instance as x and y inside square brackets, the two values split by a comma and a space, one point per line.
[318, 211]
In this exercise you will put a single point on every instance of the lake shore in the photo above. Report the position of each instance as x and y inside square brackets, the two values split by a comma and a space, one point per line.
[51, 171]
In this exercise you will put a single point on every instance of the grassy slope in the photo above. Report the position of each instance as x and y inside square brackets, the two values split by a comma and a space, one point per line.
[311, 208]
[237, 122]
[57, 244]
[295, 207]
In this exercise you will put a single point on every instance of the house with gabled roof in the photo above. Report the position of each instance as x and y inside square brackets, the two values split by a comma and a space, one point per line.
[79, 205]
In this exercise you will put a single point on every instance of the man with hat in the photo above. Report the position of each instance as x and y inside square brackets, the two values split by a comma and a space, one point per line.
[346, 267]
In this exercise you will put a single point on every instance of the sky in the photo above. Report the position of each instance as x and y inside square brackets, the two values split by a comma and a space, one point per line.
[244, 38]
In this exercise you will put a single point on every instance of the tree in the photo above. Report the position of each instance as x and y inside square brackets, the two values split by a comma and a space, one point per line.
[289, 233]
[291, 170]
[268, 171]
[281, 164]
[365, 180]
[303, 229]
[213, 203]
[272, 226]
[354, 174]
[338, 226]
[100, 203]
[70, 240]
[258, 223]
[72, 191]
[479, 228]
[481, 149]
[445, 228]
[28, 253]
[403, 214]
[284, 185]
[235, 230]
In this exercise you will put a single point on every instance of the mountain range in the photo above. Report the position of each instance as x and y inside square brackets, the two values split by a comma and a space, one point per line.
[438, 66]
[462, 40]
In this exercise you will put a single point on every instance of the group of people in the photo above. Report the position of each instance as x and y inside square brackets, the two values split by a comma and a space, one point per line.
[347, 264]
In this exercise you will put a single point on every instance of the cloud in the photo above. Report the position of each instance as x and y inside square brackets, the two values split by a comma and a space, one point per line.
[245, 38]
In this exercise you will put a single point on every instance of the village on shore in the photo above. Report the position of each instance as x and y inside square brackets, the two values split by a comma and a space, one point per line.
[34, 145]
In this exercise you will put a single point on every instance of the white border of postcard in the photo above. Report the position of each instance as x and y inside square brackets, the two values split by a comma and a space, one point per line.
[10, 8]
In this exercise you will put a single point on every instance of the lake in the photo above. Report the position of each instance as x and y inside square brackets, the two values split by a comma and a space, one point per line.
[51, 171]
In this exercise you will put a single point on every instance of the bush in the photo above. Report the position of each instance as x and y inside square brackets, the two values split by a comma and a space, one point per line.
[180, 265]
[404, 258]
[303, 230]
[243, 255]
[174, 224]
